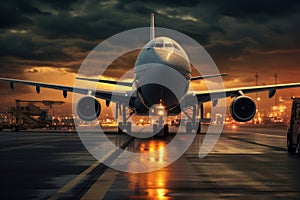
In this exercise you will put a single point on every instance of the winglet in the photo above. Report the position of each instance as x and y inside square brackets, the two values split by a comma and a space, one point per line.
[152, 29]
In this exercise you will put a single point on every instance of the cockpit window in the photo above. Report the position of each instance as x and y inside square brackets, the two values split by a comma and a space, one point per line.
[176, 47]
[168, 45]
[151, 46]
[159, 45]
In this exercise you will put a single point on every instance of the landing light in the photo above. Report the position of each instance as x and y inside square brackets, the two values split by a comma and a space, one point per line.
[160, 112]
[157, 112]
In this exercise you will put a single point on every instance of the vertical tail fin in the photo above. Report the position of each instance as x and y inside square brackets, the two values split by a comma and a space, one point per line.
[152, 29]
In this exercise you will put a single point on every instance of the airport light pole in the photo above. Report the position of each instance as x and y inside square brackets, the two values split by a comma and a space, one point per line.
[275, 76]
[256, 81]
[257, 99]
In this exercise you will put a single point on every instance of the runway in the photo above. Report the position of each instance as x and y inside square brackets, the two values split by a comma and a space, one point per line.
[246, 163]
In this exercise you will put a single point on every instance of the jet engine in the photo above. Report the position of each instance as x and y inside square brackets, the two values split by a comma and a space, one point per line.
[242, 109]
[140, 109]
[88, 108]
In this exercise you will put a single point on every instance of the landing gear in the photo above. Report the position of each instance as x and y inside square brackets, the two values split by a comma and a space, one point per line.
[199, 129]
[188, 127]
[125, 125]
[161, 129]
[14, 129]
[194, 123]
[166, 129]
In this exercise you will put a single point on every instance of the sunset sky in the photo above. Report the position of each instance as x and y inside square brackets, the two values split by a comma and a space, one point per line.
[47, 40]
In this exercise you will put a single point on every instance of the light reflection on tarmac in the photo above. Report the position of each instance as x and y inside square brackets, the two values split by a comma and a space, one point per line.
[246, 163]
[154, 181]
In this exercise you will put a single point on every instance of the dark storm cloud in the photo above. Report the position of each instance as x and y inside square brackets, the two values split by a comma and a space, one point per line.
[58, 4]
[244, 9]
[15, 13]
[44, 33]
[176, 3]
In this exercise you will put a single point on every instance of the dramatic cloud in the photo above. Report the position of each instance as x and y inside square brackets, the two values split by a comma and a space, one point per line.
[242, 37]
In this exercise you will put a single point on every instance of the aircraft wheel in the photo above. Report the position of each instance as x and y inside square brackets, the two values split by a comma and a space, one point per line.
[155, 129]
[166, 129]
[14, 129]
[129, 127]
[199, 128]
[161, 133]
[290, 146]
[188, 127]
[120, 125]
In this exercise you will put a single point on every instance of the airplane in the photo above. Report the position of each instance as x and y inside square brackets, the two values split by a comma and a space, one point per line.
[156, 98]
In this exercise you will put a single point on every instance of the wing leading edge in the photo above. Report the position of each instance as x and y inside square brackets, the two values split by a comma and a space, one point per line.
[206, 96]
[118, 97]
[207, 76]
[123, 97]
[106, 81]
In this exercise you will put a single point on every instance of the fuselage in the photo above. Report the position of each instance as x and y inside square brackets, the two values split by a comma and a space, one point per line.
[158, 64]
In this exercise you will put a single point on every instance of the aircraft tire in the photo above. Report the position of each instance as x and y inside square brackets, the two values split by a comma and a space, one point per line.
[199, 128]
[14, 129]
[155, 128]
[166, 129]
[129, 127]
[120, 124]
[291, 148]
[188, 127]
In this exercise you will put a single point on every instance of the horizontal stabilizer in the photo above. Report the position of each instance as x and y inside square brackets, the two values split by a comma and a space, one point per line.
[207, 76]
[105, 81]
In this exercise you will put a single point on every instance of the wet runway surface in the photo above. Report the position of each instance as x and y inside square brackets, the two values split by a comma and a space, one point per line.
[246, 163]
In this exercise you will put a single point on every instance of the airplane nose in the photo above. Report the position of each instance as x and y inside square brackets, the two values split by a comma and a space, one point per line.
[158, 83]
[153, 94]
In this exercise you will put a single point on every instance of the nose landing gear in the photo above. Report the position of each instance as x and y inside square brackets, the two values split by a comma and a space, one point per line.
[161, 129]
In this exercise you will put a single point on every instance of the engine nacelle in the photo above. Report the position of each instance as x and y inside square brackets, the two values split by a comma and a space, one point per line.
[140, 109]
[88, 108]
[242, 109]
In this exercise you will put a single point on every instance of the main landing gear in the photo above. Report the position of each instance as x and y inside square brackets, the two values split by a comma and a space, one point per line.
[124, 125]
[194, 123]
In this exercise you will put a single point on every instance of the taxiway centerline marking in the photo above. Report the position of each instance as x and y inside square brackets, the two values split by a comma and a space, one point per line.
[78, 178]
[101, 186]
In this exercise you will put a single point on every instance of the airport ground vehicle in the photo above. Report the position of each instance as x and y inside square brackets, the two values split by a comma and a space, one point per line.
[293, 133]
[28, 115]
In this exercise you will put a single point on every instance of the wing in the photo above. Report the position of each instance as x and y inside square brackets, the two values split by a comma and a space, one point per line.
[106, 81]
[207, 76]
[234, 92]
[118, 97]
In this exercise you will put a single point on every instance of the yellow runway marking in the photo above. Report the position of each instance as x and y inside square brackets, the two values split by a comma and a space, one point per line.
[73, 182]
[101, 186]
